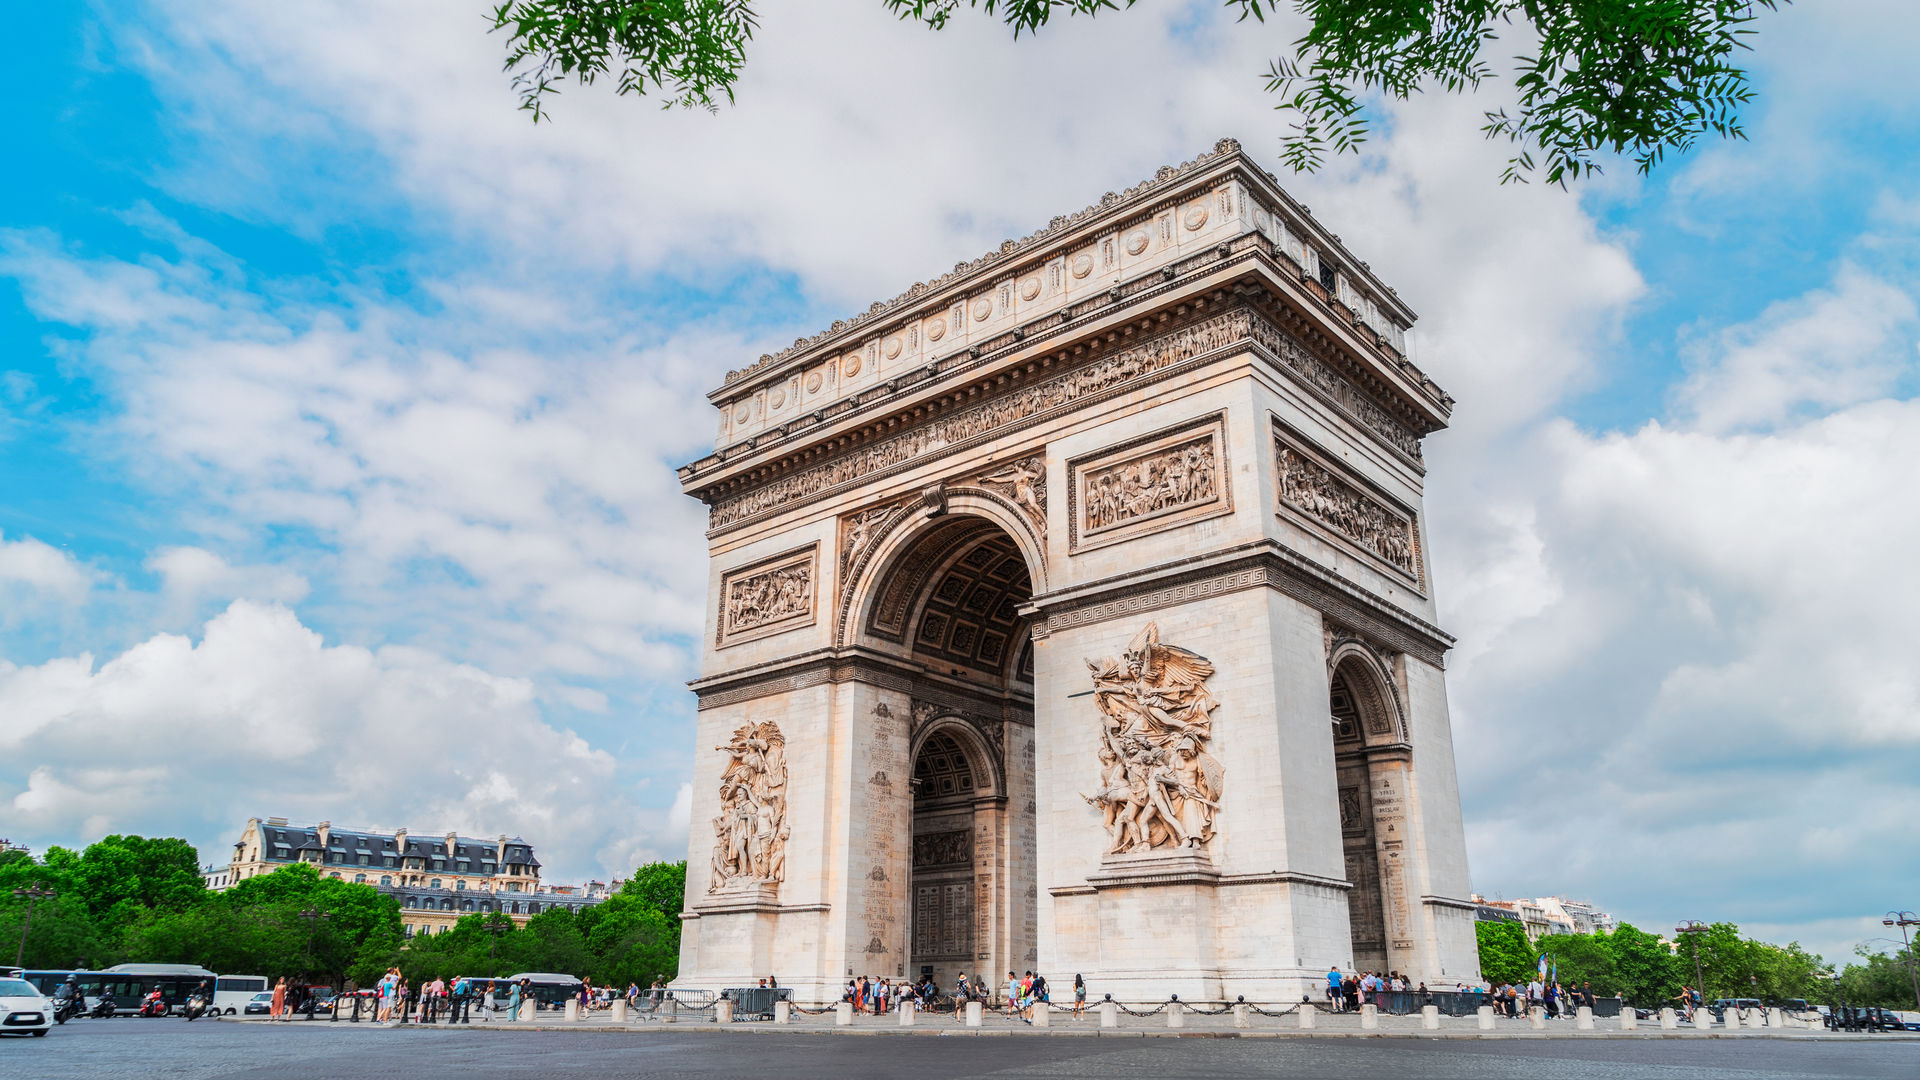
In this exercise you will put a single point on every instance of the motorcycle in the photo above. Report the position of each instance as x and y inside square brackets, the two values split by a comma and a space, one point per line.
[154, 1005]
[195, 1008]
[104, 1008]
[67, 1008]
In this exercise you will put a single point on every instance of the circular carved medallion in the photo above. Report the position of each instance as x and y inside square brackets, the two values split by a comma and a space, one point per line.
[851, 365]
[891, 347]
[776, 399]
[740, 414]
[1136, 241]
[1030, 288]
[982, 308]
[813, 382]
[1196, 217]
[936, 328]
[1082, 266]
[1260, 220]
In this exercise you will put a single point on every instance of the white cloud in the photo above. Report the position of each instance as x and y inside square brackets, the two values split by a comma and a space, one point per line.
[260, 716]
[39, 579]
[191, 576]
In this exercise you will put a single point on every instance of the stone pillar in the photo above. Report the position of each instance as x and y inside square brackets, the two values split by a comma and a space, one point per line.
[906, 1014]
[1109, 1015]
[1042, 1014]
[1430, 1017]
[1583, 1019]
[843, 1014]
[1776, 1018]
[723, 1011]
[526, 1012]
[573, 1010]
[1537, 1016]
[1668, 1019]
[783, 1012]
[1485, 1013]
[618, 1014]
[1369, 1017]
[1176, 1015]
[974, 1012]
[1306, 1015]
[1629, 1020]
[1703, 1019]
[1243, 1016]
[1756, 1018]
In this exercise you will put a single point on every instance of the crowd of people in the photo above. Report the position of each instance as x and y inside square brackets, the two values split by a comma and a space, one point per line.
[1019, 996]
[1347, 991]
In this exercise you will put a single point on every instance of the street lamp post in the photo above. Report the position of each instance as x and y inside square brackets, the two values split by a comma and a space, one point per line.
[1693, 928]
[495, 926]
[314, 917]
[32, 894]
[1904, 919]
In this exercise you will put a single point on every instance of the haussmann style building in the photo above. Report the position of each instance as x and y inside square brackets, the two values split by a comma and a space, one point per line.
[1073, 612]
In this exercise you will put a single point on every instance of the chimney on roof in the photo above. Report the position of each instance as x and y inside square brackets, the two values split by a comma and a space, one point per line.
[400, 843]
[276, 821]
[326, 831]
[451, 837]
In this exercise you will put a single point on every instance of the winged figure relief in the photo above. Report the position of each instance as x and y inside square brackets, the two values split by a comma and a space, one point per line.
[1160, 788]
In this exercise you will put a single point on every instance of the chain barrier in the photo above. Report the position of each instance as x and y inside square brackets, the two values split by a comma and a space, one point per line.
[1287, 1010]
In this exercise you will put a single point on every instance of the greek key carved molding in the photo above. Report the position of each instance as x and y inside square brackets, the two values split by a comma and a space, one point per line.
[1318, 492]
[770, 597]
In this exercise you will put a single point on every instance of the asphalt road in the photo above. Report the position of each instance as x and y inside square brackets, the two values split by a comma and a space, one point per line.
[169, 1049]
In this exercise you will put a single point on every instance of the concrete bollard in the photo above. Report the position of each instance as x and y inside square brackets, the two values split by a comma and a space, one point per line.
[1176, 1015]
[723, 1011]
[1537, 1017]
[618, 1014]
[1485, 1013]
[1703, 1019]
[1042, 1014]
[1109, 1014]
[1629, 1020]
[1776, 1018]
[975, 1013]
[906, 1014]
[673, 1010]
[1243, 1016]
[526, 1012]
[1307, 1015]
[1369, 1017]
[843, 1014]
[1430, 1018]
[1583, 1019]
[1669, 1019]
[1756, 1018]
[573, 1010]
[783, 1012]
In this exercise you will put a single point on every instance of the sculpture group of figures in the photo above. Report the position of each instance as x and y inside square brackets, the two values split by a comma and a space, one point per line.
[1306, 486]
[1174, 477]
[1159, 787]
[769, 597]
[750, 832]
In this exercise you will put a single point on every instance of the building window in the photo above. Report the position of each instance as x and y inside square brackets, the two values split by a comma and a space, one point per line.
[335, 875]
[436, 883]
[460, 884]
[365, 861]
[386, 879]
[360, 879]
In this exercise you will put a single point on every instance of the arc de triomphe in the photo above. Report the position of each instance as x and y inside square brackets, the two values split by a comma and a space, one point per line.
[1072, 612]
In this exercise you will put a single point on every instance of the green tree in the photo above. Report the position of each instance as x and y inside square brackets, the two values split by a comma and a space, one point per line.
[1639, 78]
[1647, 972]
[1583, 958]
[1506, 955]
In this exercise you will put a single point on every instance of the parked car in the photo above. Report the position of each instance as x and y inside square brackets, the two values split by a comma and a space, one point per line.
[1883, 1020]
[323, 997]
[23, 1008]
[260, 1004]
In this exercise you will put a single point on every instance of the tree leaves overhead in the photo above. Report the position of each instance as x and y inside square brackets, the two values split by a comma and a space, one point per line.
[1592, 78]
[689, 50]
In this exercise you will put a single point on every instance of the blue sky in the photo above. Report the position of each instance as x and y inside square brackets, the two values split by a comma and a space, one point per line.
[338, 407]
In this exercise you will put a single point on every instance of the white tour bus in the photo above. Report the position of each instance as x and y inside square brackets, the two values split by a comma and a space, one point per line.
[232, 992]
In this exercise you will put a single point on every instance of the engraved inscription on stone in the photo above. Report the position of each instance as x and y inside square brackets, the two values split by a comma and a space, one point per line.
[768, 598]
[750, 832]
[1311, 489]
[1159, 788]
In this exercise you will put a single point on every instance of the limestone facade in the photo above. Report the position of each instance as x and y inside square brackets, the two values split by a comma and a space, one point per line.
[1084, 592]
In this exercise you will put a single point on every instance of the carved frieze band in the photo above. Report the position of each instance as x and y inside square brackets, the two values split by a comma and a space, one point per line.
[1155, 482]
[770, 597]
[951, 848]
[1318, 491]
[1336, 388]
[1267, 566]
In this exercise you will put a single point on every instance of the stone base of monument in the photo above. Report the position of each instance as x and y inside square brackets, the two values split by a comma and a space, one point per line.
[1161, 866]
[741, 894]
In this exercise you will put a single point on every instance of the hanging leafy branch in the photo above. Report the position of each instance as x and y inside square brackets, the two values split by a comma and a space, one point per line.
[1595, 78]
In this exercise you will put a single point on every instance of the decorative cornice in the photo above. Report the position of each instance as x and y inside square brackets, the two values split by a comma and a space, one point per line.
[823, 666]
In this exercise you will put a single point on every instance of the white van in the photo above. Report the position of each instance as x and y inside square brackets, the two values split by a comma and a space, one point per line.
[232, 992]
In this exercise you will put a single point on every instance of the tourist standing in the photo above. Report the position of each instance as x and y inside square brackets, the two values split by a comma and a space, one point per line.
[1079, 995]
[1334, 996]
[279, 999]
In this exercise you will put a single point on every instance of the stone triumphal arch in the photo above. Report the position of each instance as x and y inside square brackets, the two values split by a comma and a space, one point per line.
[1071, 612]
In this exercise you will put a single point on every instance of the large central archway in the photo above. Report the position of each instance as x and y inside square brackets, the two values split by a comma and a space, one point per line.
[948, 598]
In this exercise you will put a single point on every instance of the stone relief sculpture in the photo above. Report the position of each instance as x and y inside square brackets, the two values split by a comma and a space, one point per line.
[1167, 479]
[1318, 493]
[750, 832]
[1026, 483]
[1159, 787]
[778, 594]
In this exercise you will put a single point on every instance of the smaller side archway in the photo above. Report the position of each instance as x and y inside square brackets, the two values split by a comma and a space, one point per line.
[957, 807]
[1371, 757]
